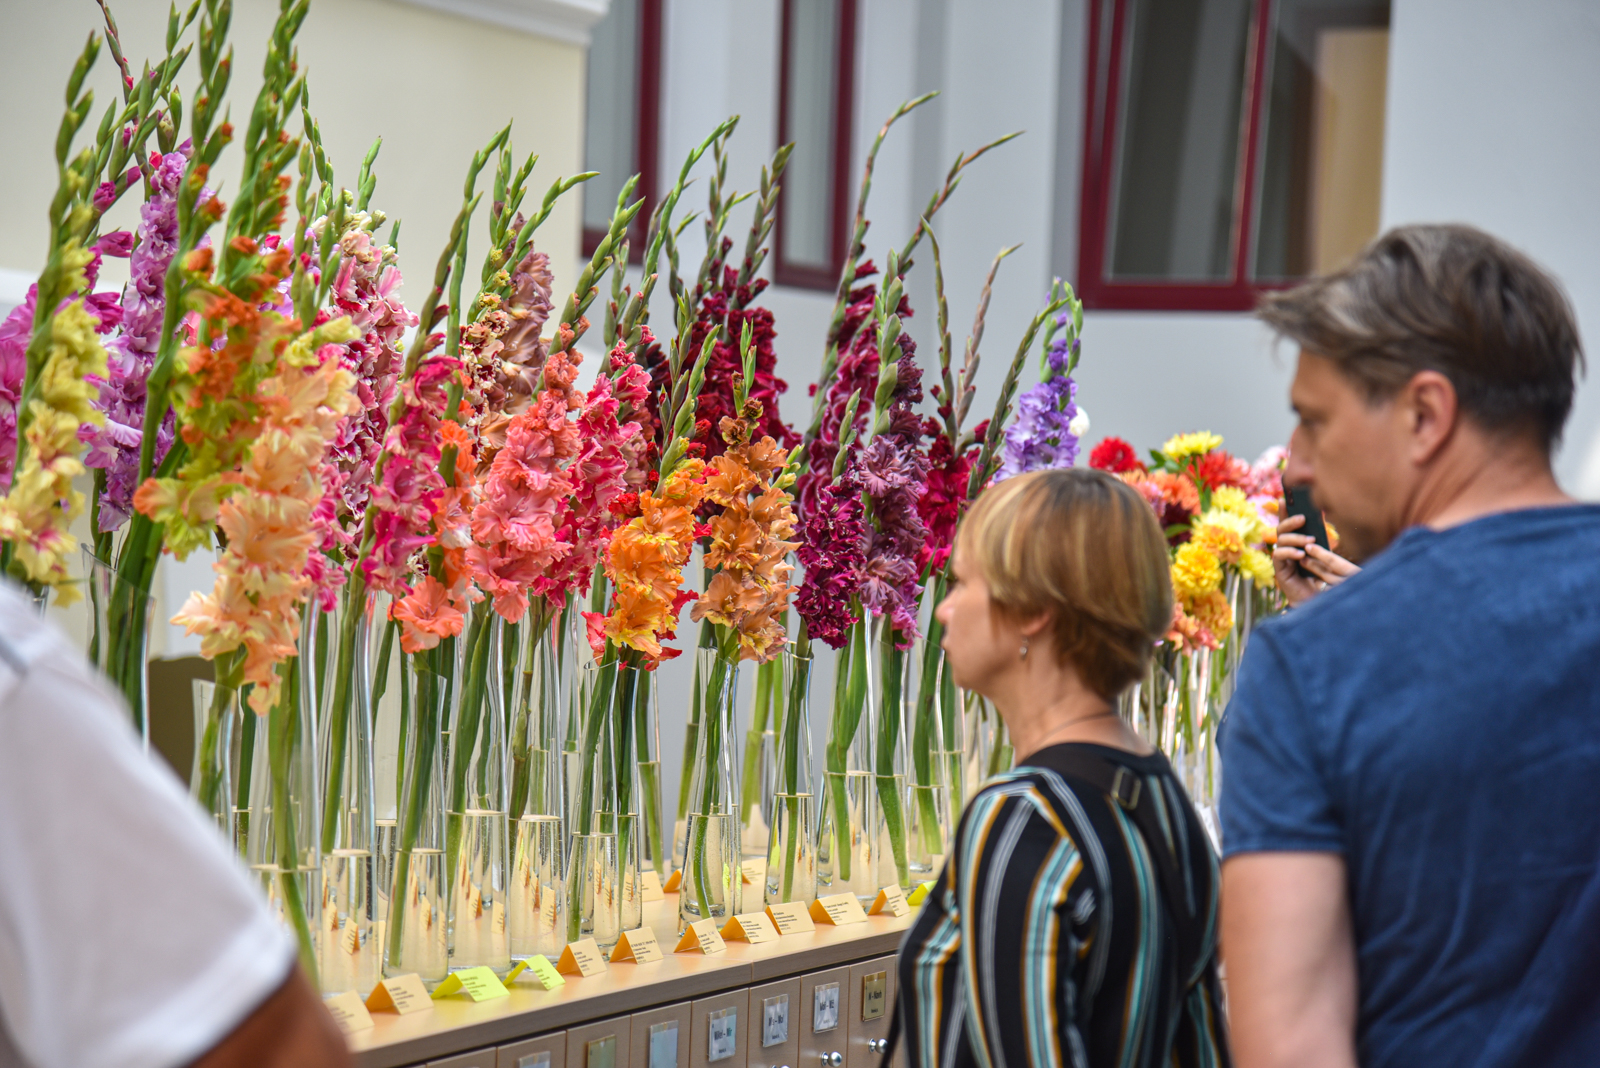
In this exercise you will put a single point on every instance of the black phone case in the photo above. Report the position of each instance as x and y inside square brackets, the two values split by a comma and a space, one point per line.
[1297, 501]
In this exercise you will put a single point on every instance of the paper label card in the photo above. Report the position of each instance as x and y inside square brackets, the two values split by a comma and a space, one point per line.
[674, 881]
[534, 1060]
[601, 1053]
[664, 1045]
[793, 917]
[891, 902]
[753, 871]
[650, 883]
[350, 937]
[723, 1036]
[825, 1008]
[348, 1012]
[701, 936]
[838, 910]
[479, 984]
[639, 946]
[753, 927]
[775, 1020]
[403, 994]
[581, 958]
[874, 995]
[539, 967]
[920, 894]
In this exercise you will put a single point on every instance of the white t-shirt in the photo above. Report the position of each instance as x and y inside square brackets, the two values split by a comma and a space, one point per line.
[130, 935]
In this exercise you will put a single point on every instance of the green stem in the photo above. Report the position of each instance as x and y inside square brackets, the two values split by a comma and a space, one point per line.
[760, 715]
[711, 730]
[464, 734]
[888, 738]
[284, 726]
[338, 711]
[414, 805]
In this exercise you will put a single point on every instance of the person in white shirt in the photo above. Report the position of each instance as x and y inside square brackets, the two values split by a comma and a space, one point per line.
[130, 936]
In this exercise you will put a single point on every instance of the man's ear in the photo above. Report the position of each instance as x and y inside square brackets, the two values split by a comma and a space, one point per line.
[1429, 405]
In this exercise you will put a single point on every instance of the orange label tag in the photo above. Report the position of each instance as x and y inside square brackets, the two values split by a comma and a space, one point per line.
[674, 881]
[838, 910]
[581, 958]
[701, 936]
[792, 917]
[891, 902]
[639, 946]
[403, 994]
[752, 927]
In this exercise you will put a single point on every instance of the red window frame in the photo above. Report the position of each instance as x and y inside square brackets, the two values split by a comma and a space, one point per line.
[1107, 50]
[647, 132]
[808, 276]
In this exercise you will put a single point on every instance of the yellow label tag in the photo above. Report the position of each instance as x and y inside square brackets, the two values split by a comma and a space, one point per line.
[350, 937]
[348, 1012]
[701, 936]
[499, 917]
[674, 881]
[753, 871]
[651, 882]
[581, 958]
[891, 902]
[541, 969]
[403, 994]
[792, 917]
[920, 894]
[838, 910]
[752, 927]
[479, 984]
[639, 946]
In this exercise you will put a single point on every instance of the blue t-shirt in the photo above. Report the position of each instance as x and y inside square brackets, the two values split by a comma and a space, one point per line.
[1436, 721]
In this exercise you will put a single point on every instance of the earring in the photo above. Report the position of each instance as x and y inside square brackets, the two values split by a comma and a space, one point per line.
[1024, 653]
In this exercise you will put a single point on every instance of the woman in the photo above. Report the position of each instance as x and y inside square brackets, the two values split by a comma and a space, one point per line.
[1075, 921]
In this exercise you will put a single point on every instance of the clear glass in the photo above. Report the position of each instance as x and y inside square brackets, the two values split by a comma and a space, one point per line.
[757, 778]
[120, 615]
[713, 882]
[888, 669]
[347, 946]
[594, 866]
[655, 847]
[415, 937]
[216, 713]
[792, 857]
[928, 804]
[477, 832]
[632, 694]
[811, 39]
[844, 854]
[1179, 123]
[536, 917]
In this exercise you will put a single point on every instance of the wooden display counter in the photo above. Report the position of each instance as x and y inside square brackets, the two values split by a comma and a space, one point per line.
[537, 1028]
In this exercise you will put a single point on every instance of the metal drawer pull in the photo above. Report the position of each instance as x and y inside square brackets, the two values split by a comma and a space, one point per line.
[877, 1045]
[832, 1060]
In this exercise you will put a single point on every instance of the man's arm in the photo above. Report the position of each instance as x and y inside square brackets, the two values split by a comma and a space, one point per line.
[1291, 962]
[290, 1029]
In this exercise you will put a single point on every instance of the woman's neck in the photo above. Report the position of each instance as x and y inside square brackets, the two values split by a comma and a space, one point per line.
[1047, 704]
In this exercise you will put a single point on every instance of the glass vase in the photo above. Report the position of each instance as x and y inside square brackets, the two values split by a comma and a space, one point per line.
[347, 946]
[757, 775]
[477, 841]
[282, 849]
[415, 934]
[928, 802]
[536, 917]
[632, 694]
[120, 615]
[844, 818]
[594, 869]
[886, 718]
[216, 712]
[792, 855]
[713, 881]
[655, 845]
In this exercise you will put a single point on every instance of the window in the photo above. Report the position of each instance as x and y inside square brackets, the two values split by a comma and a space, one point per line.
[622, 127]
[815, 102]
[1231, 146]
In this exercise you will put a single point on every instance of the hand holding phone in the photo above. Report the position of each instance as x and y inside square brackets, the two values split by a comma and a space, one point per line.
[1297, 501]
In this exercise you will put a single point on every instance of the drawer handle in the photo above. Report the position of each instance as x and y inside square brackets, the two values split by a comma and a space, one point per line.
[877, 1045]
[832, 1060]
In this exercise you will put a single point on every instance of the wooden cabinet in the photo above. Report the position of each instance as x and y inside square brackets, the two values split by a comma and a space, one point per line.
[479, 1058]
[775, 1018]
[602, 1044]
[824, 1019]
[718, 1033]
[546, 1051]
[871, 1002]
[661, 1037]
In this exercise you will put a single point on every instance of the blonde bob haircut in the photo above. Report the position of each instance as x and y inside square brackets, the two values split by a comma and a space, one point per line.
[1083, 548]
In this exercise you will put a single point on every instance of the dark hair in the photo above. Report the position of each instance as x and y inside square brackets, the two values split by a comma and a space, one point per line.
[1083, 547]
[1450, 299]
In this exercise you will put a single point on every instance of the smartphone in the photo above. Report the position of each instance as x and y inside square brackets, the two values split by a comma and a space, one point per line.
[1297, 501]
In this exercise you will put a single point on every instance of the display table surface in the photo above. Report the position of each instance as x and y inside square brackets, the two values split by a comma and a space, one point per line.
[457, 1024]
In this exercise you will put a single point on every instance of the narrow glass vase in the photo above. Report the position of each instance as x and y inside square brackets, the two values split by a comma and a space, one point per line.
[536, 916]
[792, 856]
[216, 715]
[713, 881]
[415, 936]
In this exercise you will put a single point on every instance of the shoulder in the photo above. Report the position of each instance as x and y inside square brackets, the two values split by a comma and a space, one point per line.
[27, 640]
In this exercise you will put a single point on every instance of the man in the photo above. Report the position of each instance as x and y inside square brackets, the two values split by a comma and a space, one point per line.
[129, 935]
[1410, 762]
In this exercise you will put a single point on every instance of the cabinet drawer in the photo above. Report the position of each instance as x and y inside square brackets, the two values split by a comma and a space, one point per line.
[546, 1051]
[661, 1037]
[718, 1030]
[823, 1021]
[871, 1002]
[478, 1058]
[602, 1044]
[775, 1018]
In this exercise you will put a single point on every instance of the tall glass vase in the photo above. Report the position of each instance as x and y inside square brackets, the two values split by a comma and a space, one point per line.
[928, 803]
[712, 877]
[631, 694]
[476, 827]
[756, 777]
[216, 715]
[536, 916]
[120, 615]
[348, 949]
[655, 844]
[792, 854]
[886, 717]
[415, 933]
[845, 816]
[282, 849]
[594, 870]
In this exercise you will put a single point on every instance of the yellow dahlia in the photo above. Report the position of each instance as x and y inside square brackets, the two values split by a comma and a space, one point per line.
[1199, 443]
[1257, 567]
[1195, 571]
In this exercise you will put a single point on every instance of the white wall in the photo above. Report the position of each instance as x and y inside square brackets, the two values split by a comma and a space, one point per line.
[1492, 121]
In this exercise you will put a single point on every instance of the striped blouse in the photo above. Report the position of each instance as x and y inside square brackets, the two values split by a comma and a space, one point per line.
[1045, 941]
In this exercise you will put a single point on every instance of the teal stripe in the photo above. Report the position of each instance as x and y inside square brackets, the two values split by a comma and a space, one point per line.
[1039, 970]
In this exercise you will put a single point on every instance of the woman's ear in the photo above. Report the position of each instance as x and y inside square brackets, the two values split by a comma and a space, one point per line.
[1033, 626]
